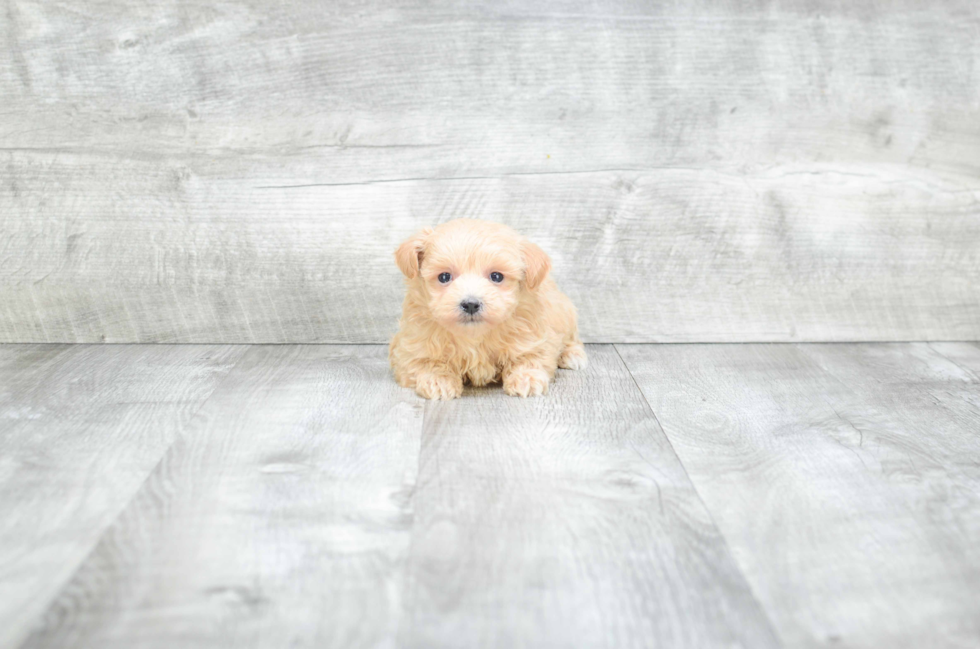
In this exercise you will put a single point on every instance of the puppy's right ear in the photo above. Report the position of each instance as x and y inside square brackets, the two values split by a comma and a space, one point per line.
[409, 255]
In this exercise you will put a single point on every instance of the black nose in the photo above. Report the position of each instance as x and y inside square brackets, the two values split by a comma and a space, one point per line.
[470, 306]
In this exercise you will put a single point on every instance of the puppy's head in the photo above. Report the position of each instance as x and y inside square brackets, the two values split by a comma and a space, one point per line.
[472, 273]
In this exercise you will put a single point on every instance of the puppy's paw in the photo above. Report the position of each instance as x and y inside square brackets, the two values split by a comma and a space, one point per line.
[438, 386]
[573, 358]
[526, 382]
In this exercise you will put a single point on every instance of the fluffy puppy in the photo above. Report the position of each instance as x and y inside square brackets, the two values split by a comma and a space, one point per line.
[480, 307]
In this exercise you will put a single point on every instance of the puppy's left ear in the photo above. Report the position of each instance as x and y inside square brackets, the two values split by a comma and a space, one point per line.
[537, 264]
[409, 255]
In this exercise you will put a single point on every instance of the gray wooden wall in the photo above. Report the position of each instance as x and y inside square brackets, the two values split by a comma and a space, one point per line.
[241, 170]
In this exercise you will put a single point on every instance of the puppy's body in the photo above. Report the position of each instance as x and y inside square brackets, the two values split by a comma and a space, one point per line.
[459, 323]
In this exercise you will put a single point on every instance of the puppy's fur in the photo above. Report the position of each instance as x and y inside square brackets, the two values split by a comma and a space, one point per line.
[523, 327]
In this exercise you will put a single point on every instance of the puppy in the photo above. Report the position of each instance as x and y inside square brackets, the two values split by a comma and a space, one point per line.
[480, 307]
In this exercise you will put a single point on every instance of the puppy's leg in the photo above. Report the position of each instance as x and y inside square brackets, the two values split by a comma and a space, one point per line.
[564, 321]
[431, 378]
[438, 384]
[528, 377]
[573, 356]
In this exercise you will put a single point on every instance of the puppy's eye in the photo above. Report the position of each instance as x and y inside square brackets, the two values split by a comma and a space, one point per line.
[496, 277]
[445, 277]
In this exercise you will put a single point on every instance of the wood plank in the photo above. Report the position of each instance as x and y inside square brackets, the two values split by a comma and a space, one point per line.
[845, 478]
[566, 521]
[82, 426]
[283, 520]
[718, 172]
[669, 255]
[476, 87]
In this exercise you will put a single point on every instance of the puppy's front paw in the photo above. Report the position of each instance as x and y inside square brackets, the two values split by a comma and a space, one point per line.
[526, 382]
[573, 358]
[438, 386]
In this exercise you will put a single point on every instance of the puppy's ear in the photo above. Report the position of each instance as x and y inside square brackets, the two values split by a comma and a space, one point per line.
[536, 264]
[409, 255]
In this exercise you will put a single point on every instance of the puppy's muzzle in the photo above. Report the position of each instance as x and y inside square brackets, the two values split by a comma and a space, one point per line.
[470, 306]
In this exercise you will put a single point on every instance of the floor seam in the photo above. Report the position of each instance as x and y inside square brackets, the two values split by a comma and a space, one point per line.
[403, 613]
[711, 517]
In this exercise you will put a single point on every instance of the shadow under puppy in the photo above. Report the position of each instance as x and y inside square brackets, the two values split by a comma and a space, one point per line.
[480, 307]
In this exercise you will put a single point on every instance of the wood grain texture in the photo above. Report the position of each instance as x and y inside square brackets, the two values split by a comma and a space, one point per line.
[282, 520]
[845, 477]
[82, 427]
[672, 255]
[797, 170]
[965, 355]
[566, 521]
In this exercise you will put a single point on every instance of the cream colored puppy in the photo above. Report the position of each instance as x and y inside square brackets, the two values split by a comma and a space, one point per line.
[480, 307]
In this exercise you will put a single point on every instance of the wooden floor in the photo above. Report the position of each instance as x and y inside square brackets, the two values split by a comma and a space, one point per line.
[670, 496]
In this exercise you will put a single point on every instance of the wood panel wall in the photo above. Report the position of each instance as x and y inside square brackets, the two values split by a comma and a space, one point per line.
[241, 171]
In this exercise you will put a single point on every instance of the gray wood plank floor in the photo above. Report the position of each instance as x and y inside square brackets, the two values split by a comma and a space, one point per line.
[282, 518]
[568, 522]
[272, 496]
[845, 477]
[81, 427]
